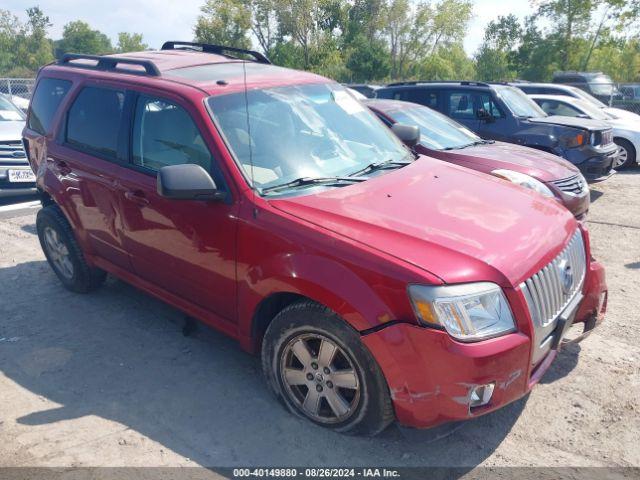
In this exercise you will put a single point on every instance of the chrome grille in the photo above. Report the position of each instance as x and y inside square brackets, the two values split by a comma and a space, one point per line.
[575, 185]
[606, 137]
[12, 150]
[549, 291]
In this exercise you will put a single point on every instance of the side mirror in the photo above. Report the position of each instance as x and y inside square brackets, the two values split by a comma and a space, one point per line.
[484, 116]
[409, 134]
[187, 182]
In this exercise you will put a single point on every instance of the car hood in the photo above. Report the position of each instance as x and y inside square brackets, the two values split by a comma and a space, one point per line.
[583, 123]
[544, 166]
[455, 223]
[10, 130]
[623, 114]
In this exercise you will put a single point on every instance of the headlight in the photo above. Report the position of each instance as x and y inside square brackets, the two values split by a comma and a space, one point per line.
[576, 140]
[524, 181]
[469, 312]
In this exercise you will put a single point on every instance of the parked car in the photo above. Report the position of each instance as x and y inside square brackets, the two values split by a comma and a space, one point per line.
[442, 138]
[272, 205]
[597, 84]
[505, 113]
[575, 92]
[16, 177]
[367, 90]
[630, 91]
[626, 134]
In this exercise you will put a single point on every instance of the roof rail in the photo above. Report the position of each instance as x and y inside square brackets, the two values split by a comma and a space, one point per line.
[212, 48]
[418, 82]
[110, 64]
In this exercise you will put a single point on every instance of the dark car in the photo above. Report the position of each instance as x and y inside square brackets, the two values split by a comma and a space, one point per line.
[597, 84]
[445, 139]
[505, 113]
[272, 205]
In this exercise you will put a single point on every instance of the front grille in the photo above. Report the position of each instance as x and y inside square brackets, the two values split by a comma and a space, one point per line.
[575, 185]
[604, 138]
[549, 291]
[12, 150]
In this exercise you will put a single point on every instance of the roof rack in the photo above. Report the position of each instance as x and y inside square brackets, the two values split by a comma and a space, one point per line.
[418, 82]
[212, 48]
[110, 64]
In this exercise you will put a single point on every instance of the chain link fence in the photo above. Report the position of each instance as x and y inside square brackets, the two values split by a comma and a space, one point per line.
[18, 90]
[619, 95]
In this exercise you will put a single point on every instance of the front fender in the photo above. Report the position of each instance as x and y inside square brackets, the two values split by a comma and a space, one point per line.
[325, 281]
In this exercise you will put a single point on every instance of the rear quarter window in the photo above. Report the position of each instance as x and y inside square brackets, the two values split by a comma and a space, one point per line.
[94, 119]
[45, 102]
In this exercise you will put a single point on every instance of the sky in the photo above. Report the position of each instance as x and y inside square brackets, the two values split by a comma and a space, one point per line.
[160, 20]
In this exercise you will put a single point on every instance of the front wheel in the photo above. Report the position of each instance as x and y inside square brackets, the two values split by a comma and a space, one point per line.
[626, 156]
[318, 366]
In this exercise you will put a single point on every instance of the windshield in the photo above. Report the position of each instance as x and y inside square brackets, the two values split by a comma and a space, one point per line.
[437, 131]
[593, 111]
[8, 111]
[584, 95]
[302, 131]
[519, 103]
[602, 85]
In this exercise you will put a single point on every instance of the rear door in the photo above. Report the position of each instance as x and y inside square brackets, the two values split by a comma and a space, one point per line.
[185, 247]
[86, 159]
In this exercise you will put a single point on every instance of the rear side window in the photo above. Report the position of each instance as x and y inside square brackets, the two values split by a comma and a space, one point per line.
[164, 134]
[45, 102]
[93, 121]
[421, 96]
[460, 105]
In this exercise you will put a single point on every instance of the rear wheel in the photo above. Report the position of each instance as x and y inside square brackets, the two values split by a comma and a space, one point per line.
[63, 252]
[627, 154]
[318, 366]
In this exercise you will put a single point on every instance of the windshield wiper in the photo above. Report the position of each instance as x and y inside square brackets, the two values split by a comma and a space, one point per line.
[305, 181]
[380, 166]
[466, 145]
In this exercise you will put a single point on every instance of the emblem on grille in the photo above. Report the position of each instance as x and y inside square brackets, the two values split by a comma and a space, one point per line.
[17, 154]
[566, 276]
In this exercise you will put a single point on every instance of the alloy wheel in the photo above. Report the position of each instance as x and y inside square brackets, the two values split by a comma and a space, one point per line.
[58, 253]
[622, 157]
[320, 378]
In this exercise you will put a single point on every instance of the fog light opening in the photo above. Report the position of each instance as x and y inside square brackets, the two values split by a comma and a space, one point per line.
[481, 395]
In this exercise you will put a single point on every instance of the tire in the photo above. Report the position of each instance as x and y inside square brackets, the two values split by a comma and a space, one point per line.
[63, 252]
[359, 383]
[627, 147]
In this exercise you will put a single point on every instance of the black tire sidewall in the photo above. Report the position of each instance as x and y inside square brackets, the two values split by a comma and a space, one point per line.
[372, 414]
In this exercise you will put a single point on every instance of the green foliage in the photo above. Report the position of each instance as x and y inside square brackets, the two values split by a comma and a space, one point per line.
[24, 47]
[79, 37]
[225, 22]
[130, 42]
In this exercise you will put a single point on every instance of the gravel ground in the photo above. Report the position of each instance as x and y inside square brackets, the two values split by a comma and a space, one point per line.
[108, 379]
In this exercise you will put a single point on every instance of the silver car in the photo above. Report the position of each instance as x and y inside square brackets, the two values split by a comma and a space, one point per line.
[16, 177]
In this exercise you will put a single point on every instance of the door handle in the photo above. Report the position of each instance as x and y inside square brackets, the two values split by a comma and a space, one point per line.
[136, 196]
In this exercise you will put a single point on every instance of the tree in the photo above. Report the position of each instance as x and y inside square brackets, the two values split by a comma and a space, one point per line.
[23, 46]
[78, 37]
[264, 23]
[130, 42]
[224, 22]
[495, 58]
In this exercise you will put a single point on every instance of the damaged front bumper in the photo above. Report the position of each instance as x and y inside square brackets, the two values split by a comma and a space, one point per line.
[434, 379]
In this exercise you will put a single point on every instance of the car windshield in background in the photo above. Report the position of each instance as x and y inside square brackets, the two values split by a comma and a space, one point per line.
[316, 131]
[602, 85]
[9, 112]
[518, 102]
[436, 130]
[590, 98]
[593, 111]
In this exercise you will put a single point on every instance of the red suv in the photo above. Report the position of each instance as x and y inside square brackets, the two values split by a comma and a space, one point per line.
[270, 204]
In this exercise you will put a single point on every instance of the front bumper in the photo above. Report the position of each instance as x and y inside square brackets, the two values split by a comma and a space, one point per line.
[430, 375]
[595, 163]
[10, 189]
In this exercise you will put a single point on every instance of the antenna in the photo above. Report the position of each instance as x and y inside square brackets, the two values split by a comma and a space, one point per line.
[246, 106]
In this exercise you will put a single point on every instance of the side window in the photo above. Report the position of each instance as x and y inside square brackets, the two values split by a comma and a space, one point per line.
[423, 97]
[93, 121]
[45, 102]
[559, 108]
[460, 105]
[164, 134]
[485, 101]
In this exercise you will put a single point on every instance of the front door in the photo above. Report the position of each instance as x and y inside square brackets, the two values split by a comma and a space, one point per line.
[186, 247]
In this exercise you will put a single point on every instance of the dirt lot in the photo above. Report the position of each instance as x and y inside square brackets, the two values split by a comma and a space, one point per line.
[108, 379]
